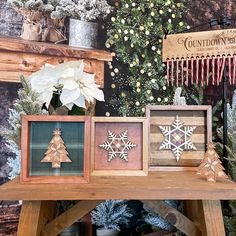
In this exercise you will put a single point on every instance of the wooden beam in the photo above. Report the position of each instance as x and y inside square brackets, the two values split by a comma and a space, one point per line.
[34, 215]
[193, 210]
[14, 64]
[87, 225]
[174, 217]
[67, 218]
[61, 50]
[213, 218]
[207, 215]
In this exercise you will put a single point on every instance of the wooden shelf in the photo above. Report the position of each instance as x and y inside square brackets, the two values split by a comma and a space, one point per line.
[62, 50]
[157, 185]
[19, 56]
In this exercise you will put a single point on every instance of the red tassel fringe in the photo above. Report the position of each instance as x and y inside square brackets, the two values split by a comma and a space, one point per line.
[206, 70]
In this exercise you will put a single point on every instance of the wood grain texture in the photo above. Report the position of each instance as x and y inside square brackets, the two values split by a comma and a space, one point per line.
[213, 218]
[25, 150]
[207, 215]
[14, 64]
[174, 217]
[19, 57]
[20, 45]
[157, 185]
[198, 116]
[194, 211]
[67, 218]
[137, 157]
[34, 215]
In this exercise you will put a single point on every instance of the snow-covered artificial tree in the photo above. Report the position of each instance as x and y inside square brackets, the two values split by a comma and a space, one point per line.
[26, 104]
[111, 214]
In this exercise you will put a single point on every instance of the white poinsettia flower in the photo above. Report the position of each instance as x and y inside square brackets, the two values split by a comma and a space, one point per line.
[78, 86]
[45, 82]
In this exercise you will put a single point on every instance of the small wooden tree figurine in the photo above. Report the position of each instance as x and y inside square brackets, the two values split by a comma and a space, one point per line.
[56, 153]
[211, 165]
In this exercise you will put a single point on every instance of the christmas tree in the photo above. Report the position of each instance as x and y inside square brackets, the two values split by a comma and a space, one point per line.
[136, 34]
[56, 152]
[211, 165]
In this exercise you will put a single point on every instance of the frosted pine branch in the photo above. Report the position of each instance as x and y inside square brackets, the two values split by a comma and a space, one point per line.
[111, 214]
[85, 10]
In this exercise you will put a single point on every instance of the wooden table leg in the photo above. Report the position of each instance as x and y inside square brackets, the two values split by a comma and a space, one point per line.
[34, 215]
[208, 215]
[67, 218]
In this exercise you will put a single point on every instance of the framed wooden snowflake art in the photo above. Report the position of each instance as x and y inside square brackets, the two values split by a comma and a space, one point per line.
[119, 146]
[178, 136]
[55, 149]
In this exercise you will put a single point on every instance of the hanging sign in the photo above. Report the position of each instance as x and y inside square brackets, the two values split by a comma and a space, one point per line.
[200, 57]
[200, 44]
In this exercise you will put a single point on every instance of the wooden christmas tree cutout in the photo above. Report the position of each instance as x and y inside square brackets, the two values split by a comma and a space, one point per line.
[211, 165]
[56, 153]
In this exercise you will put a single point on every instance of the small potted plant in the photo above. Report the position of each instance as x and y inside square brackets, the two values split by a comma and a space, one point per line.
[84, 16]
[37, 22]
[109, 216]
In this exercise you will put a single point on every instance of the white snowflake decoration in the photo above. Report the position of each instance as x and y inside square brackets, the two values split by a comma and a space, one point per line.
[117, 145]
[177, 137]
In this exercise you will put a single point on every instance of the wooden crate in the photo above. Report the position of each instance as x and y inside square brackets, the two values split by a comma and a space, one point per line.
[19, 57]
[198, 116]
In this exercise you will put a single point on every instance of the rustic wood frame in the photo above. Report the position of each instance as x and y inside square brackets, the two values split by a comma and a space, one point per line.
[206, 108]
[25, 141]
[144, 170]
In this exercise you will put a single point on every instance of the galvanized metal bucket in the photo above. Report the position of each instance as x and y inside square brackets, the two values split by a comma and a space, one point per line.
[83, 34]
